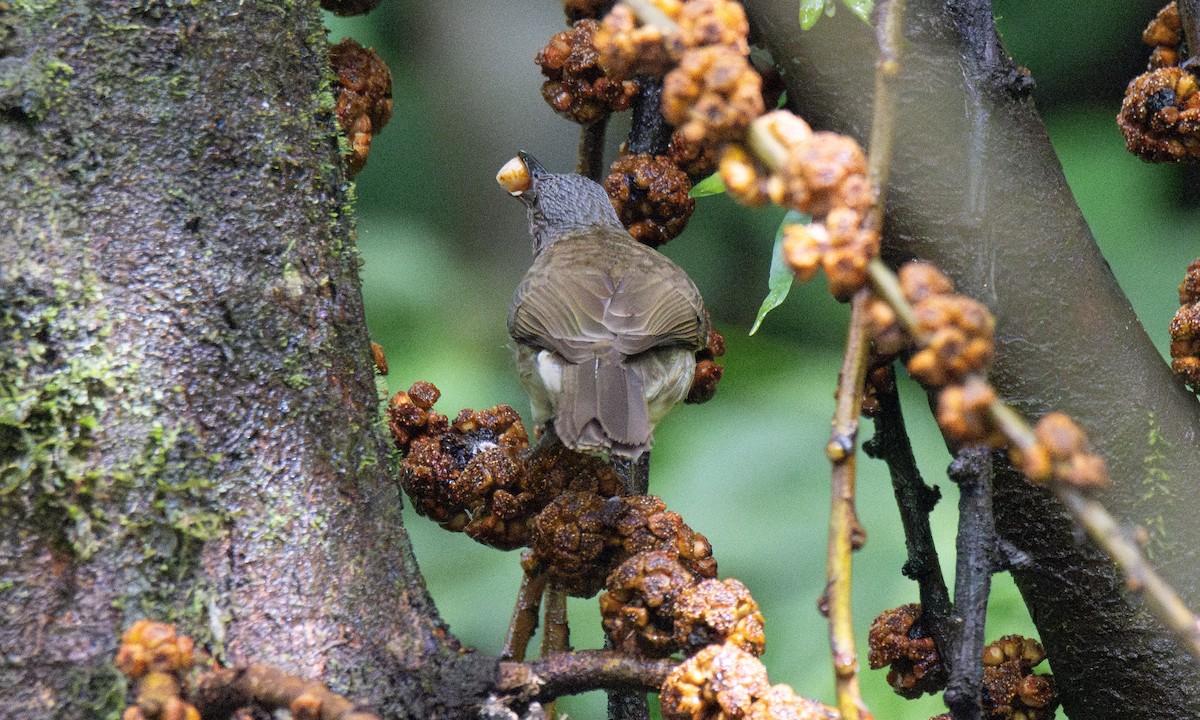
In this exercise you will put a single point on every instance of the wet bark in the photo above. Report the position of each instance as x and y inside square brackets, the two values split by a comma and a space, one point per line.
[188, 415]
[976, 189]
[189, 420]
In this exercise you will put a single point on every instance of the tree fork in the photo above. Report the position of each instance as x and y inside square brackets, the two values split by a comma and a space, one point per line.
[981, 194]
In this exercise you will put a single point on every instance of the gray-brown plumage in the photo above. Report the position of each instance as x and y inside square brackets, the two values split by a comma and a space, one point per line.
[606, 327]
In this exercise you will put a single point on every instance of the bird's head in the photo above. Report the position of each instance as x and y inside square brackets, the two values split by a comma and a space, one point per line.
[557, 204]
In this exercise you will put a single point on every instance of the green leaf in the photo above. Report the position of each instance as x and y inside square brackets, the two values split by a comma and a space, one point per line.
[861, 8]
[711, 185]
[779, 280]
[810, 12]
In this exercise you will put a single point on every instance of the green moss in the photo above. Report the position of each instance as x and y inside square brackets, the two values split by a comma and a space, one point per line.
[57, 379]
[1157, 488]
[97, 693]
[1156, 481]
[34, 87]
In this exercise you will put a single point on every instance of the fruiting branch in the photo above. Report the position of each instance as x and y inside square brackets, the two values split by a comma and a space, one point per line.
[222, 691]
[591, 149]
[845, 532]
[525, 616]
[890, 36]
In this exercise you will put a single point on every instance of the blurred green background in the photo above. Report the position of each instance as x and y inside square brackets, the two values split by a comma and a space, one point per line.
[444, 246]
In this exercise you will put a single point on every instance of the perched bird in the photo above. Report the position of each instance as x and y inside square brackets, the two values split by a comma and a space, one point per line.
[606, 327]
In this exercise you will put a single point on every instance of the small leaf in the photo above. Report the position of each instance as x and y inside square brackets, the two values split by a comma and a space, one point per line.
[861, 8]
[711, 185]
[779, 280]
[810, 12]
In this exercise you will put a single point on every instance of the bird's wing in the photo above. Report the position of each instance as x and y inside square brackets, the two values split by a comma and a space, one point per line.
[618, 293]
[655, 304]
[562, 311]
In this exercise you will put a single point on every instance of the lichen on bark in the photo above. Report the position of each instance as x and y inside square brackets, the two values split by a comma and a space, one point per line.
[189, 420]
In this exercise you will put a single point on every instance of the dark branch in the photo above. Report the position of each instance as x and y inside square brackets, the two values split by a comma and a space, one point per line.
[624, 704]
[977, 29]
[634, 473]
[915, 500]
[650, 133]
[591, 149]
[1189, 13]
[977, 548]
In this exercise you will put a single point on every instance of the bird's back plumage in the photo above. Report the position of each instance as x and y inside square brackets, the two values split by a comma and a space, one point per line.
[606, 308]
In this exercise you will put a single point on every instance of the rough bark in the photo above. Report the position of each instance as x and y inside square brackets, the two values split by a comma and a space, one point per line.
[976, 189]
[189, 420]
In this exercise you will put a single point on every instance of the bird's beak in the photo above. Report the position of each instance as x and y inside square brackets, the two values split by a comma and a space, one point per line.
[535, 168]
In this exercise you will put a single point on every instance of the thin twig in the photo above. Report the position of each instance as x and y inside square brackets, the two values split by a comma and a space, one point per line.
[890, 35]
[625, 703]
[976, 562]
[218, 693]
[886, 287]
[525, 616]
[581, 671]
[591, 149]
[915, 500]
[1140, 576]
[844, 530]
[556, 635]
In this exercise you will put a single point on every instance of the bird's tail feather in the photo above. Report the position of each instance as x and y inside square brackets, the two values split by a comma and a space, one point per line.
[609, 410]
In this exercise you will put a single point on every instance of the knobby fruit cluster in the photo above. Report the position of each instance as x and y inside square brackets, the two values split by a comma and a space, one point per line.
[1185, 328]
[363, 105]
[715, 99]
[1160, 116]
[1011, 690]
[159, 661]
[661, 596]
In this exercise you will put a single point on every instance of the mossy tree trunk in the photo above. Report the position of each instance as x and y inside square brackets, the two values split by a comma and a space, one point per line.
[189, 425]
[188, 414]
[977, 189]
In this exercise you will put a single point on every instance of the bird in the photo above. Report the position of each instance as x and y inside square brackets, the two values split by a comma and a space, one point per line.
[606, 328]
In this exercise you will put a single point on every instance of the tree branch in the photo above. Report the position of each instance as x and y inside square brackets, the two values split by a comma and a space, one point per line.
[581, 671]
[975, 564]
[976, 188]
[1189, 13]
[845, 533]
[591, 149]
[649, 133]
[915, 501]
[220, 692]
